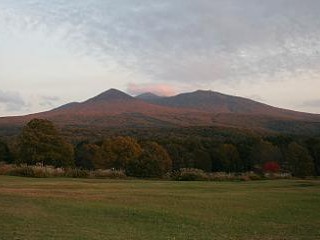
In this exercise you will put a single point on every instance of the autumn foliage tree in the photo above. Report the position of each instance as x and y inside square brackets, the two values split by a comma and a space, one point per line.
[40, 142]
[264, 152]
[271, 167]
[119, 151]
[154, 161]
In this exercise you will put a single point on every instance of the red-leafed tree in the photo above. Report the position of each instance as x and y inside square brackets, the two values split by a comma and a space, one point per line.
[271, 167]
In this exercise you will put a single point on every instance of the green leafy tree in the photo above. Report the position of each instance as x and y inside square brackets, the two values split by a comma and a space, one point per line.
[314, 149]
[202, 160]
[301, 163]
[153, 162]
[5, 155]
[40, 142]
[263, 152]
[89, 156]
[182, 155]
[229, 157]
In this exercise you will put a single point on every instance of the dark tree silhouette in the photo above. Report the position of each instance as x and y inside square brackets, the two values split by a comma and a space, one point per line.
[40, 142]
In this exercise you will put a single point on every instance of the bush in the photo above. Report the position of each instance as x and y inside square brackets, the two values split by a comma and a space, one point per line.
[189, 174]
[5, 168]
[108, 173]
[77, 173]
[21, 171]
[28, 171]
[253, 176]
[222, 176]
[271, 167]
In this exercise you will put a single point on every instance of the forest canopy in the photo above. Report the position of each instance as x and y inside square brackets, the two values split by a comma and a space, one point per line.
[153, 155]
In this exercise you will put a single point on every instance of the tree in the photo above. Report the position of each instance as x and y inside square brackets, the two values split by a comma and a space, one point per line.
[180, 155]
[271, 167]
[282, 142]
[118, 151]
[264, 152]
[229, 158]
[5, 155]
[202, 160]
[153, 162]
[89, 156]
[314, 149]
[301, 163]
[40, 142]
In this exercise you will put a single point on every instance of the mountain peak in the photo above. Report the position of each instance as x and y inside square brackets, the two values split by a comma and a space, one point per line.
[111, 95]
[148, 96]
[205, 92]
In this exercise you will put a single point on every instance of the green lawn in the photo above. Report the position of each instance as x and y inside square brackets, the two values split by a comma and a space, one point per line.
[132, 209]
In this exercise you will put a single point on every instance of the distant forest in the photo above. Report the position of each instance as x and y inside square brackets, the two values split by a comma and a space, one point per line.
[154, 152]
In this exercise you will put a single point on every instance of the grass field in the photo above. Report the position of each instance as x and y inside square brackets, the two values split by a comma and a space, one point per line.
[122, 209]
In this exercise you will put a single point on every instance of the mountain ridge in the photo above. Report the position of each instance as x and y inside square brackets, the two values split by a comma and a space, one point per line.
[116, 109]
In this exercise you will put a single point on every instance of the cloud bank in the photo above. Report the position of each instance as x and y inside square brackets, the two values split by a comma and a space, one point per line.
[185, 40]
[187, 44]
[12, 101]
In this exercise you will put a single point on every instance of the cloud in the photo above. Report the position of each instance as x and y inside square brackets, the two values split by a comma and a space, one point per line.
[255, 97]
[158, 89]
[189, 41]
[12, 101]
[48, 101]
[312, 103]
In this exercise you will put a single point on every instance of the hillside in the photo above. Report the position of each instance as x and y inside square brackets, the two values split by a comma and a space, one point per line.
[215, 102]
[116, 109]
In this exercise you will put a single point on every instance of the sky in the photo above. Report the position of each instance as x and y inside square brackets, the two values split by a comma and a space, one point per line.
[55, 52]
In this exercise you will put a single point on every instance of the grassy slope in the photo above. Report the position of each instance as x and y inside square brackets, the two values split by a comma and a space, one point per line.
[104, 209]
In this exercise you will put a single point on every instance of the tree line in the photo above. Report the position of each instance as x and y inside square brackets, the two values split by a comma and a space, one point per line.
[40, 142]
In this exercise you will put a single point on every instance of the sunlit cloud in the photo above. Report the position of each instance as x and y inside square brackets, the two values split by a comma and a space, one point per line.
[158, 89]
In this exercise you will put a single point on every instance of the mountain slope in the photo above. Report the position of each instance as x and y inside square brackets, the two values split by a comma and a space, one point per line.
[116, 109]
[148, 96]
[215, 102]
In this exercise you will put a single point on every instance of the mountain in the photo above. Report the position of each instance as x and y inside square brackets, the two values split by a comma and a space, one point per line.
[148, 96]
[110, 95]
[114, 109]
[216, 102]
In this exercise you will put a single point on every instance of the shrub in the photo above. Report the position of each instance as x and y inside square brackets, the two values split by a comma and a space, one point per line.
[189, 174]
[77, 173]
[222, 176]
[40, 172]
[108, 173]
[22, 171]
[5, 168]
[271, 167]
[253, 176]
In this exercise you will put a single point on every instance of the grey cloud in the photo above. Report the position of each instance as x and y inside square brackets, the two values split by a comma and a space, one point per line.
[186, 40]
[312, 103]
[12, 101]
[48, 101]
